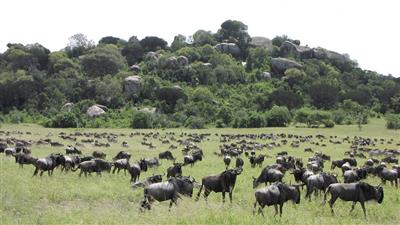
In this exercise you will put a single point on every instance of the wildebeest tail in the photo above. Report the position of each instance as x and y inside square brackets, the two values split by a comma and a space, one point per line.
[326, 192]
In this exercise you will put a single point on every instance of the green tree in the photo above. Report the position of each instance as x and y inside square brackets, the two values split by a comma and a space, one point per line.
[178, 43]
[202, 37]
[236, 32]
[133, 51]
[142, 120]
[278, 116]
[151, 43]
[323, 95]
[78, 45]
[258, 58]
[393, 121]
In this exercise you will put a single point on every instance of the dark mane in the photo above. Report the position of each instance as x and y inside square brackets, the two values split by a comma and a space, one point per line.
[368, 191]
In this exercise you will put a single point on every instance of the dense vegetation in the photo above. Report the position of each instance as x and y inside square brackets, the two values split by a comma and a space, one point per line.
[222, 79]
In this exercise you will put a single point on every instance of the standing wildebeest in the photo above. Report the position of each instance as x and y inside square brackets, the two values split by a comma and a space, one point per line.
[301, 174]
[3, 146]
[386, 174]
[339, 163]
[345, 167]
[239, 162]
[122, 155]
[153, 162]
[276, 194]
[168, 190]
[135, 169]
[319, 182]
[22, 158]
[390, 159]
[121, 164]
[99, 154]
[355, 192]
[166, 155]
[174, 170]
[47, 164]
[223, 182]
[96, 165]
[227, 160]
[268, 174]
[191, 159]
[257, 160]
[69, 162]
[354, 175]
[72, 150]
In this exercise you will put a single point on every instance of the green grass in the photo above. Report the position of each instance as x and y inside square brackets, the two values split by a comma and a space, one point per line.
[68, 199]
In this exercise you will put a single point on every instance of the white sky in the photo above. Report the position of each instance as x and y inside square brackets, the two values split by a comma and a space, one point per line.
[367, 30]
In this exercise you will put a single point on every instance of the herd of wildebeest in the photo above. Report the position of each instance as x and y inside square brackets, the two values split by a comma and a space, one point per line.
[361, 160]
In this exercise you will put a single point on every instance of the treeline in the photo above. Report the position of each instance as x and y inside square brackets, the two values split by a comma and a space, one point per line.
[223, 79]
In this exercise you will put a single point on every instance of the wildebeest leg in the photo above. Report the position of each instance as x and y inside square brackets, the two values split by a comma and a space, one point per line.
[118, 170]
[199, 193]
[36, 171]
[352, 206]
[49, 172]
[280, 209]
[260, 210]
[223, 197]
[115, 168]
[230, 196]
[206, 193]
[276, 209]
[332, 201]
[41, 172]
[125, 172]
[254, 208]
[363, 208]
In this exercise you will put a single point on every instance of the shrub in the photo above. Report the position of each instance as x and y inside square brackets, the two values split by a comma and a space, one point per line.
[278, 116]
[393, 121]
[328, 123]
[64, 120]
[255, 120]
[338, 116]
[142, 120]
[195, 122]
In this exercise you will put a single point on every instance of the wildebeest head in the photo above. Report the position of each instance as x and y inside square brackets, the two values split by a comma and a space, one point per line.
[298, 173]
[143, 165]
[370, 192]
[229, 178]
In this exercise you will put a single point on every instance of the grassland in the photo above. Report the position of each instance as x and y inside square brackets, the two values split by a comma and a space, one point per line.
[109, 199]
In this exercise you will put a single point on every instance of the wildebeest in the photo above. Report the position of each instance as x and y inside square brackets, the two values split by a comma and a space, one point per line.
[346, 166]
[227, 160]
[168, 190]
[390, 159]
[355, 192]
[268, 174]
[69, 162]
[122, 155]
[166, 155]
[96, 165]
[351, 176]
[121, 164]
[47, 164]
[22, 158]
[153, 162]
[239, 162]
[174, 170]
[386, 174]
[72, 150]
[150, 180]
[319, 182]
[257, 160]
[301, 174]
[134, 170]
[99, 154]
[223, 182]
[340, 162]
[276, 194]
[192, 158]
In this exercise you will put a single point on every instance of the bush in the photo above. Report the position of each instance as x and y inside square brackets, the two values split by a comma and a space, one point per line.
[328, 123]
[393, 121]
[338, 116]
[64, 120]
[278, 116]
[195, 122]
[142, 120]
[256, 120]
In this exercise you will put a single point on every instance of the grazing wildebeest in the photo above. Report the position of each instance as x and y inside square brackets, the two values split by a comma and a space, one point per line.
[345, 167]
[174, 170]
[72, 150]
[351, 176]
[22, 158]
[135, 169]
[96, 165]
[191, 159]
[153, 162]
[355, 192]
[390, 159]
[99, 154]
[223, 182]
[121, 164]
[257, 160]
[239, 162]
[319, 182]
[166, 155]
[163, 191]
[122, 155]
[150, 180]
[87, 158]
[268, 174]
[276, 194]
[47, 164]
[386, 174]
[227, 160]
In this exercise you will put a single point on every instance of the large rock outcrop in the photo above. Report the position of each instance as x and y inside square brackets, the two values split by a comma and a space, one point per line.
[288, 48]
[280, 65]
[262, 42]
[95, 111]
[228, 48]
[132, 85]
